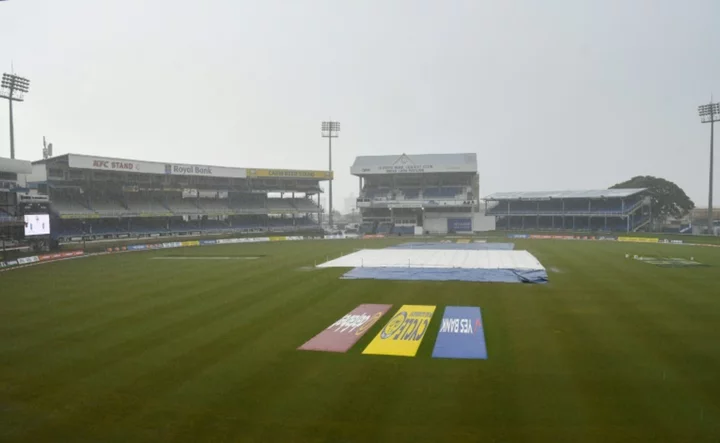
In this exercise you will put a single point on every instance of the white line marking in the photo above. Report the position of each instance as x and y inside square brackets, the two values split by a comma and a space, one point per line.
[204, 258]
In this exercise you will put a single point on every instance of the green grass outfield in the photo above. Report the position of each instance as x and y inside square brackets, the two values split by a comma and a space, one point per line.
[124, 348]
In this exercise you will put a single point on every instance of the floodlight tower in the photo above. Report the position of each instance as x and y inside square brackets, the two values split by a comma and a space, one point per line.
[710, 113]
[13, 89]
[330, 130]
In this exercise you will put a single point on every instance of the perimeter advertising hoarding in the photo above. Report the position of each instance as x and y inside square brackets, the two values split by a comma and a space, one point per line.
[639, 239]
[28, 260]
[78, 216]
[459, 225]
[289, 173]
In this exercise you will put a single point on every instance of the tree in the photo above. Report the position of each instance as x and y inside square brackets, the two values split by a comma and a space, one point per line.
[668, 199]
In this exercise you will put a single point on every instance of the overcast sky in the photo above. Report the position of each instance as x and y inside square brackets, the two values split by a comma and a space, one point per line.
[550, 94]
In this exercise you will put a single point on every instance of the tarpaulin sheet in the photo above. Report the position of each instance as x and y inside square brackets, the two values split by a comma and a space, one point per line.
[438, 258]
[455, 274]
[461, 246]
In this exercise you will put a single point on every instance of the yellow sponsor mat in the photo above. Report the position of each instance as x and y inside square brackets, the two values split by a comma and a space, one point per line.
[403, 333]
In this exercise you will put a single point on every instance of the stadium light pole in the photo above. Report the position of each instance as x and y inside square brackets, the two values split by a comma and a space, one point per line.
[710, 113]
[13, 89]
[330, 130]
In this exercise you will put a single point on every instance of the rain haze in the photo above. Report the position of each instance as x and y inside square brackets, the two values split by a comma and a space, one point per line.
[550, 95]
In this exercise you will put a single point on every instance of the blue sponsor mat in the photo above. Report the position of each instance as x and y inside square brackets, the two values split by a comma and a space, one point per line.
[441, 274]
[461, 334]
[460, 246]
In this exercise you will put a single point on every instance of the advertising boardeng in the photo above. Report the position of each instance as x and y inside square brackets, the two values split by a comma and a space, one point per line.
[345, 332]
[638, 239]
[404, 332]
[461, 334]
[289, 173]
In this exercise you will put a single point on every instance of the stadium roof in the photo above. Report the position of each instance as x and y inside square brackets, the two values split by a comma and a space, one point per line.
[414, 164]
[15, 166]
[108, 164]
[598, 193]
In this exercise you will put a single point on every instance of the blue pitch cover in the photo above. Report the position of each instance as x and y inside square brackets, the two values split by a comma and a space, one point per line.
[461, 334]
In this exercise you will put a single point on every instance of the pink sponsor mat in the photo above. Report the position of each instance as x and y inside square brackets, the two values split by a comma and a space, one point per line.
[344, 333]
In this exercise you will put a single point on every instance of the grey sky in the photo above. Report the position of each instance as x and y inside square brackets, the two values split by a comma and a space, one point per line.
[550, 94]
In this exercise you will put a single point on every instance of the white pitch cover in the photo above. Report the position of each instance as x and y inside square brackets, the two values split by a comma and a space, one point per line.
[447, 259]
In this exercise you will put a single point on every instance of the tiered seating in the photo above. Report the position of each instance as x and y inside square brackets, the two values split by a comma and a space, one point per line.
[149, 226]
[411, 193]
[138, 204]
[70, 228]
[304, 204]
[180, 225]
[571, 207]
[70, 207]
[384, 228]
[447, 192]
[579, 223]
[305, 222]
[443, 192]
[376, 193]
[108, 207]
[279, 204]
[367, 228]
[248, 205]
[104, 227]
[214, 205]
[214, 225]
[281, 223]
[404, 230]
[182, 206]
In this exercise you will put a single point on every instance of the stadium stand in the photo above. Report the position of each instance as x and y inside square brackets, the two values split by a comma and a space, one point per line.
[279, 204]
[429, 193]
[97, 198]
[367, 228]
[141, 203]
[12, 191]
[601, 210]
[385, 228]
[179, 205]
[213, 206]
[403, 230]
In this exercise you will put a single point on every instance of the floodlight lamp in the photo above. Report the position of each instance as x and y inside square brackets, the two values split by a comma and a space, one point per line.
[330, 127]
[712, 108]
[15, 83]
